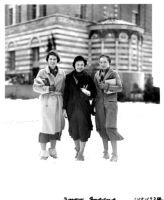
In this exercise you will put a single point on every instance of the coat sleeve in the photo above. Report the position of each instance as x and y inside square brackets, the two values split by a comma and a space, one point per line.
[63, 83]
[66, 93]
[96, 81]
[92, 88]
[118, 86]
[39, 85]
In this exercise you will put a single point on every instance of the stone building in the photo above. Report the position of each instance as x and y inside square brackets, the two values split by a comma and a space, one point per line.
[124, 31]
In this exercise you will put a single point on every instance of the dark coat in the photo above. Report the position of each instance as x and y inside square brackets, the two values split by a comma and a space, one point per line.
[74, 98]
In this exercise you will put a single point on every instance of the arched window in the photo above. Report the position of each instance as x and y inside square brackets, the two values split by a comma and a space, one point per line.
[11, 55]
[134, 38]
[123, 37]
[35, 56]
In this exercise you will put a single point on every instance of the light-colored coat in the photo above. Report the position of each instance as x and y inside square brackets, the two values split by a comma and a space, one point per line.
[52, 119]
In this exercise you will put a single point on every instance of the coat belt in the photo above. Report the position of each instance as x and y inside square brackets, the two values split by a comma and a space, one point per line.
[56, 93]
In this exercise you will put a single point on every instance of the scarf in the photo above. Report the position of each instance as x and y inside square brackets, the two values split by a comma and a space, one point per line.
[102, 74]
[105, 74]
[54, 71]
[80, 78]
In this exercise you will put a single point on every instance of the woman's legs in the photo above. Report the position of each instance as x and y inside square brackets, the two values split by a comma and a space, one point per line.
[77, 144]
[77, 147]
[53, 144]
[43, 154]
[52, 149]
[43, 146]
[80, 155]
[105, 145]
[43, 139]
[82, 147]
[114, 149]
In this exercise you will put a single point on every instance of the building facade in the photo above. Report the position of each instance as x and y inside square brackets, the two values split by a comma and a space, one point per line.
[124, 31]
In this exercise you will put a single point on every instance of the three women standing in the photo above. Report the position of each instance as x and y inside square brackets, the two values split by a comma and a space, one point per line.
[49, 83]
[79, 90]
[108, 83]
[71, 97]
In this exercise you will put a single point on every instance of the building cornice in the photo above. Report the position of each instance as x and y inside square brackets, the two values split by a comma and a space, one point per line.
[45, 22]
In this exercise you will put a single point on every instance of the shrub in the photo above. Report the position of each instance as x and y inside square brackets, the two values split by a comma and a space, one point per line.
[151, 93]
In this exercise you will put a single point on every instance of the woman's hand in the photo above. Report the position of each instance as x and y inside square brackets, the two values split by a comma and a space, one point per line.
[52, 88]
[85, 91]
[64, 113]
[103, 86]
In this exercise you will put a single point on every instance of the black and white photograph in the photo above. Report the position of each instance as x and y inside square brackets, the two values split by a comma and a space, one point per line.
[81, 100]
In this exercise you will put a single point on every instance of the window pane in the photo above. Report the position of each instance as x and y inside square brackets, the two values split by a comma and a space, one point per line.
[35, 57]
[43, 10]
[10, 16]
[19, 14]
[12, 59]
[33, 11]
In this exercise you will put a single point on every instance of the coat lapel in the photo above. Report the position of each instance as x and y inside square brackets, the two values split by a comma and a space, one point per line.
[107, 75]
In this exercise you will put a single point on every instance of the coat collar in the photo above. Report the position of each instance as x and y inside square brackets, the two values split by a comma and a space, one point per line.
[48, 70]
[109, 71]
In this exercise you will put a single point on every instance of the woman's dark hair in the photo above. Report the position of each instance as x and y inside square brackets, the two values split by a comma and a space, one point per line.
[108, 58]
[53, 52]
[79, 58]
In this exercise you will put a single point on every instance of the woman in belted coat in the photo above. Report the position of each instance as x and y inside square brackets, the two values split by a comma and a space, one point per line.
[108, 83]
[79, 90]
[49, 83]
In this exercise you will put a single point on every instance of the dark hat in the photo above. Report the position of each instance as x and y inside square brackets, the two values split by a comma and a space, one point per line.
[108, 58]
[53, 52]
[79, 58]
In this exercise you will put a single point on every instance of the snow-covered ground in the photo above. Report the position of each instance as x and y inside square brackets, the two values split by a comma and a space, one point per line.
[138, 172]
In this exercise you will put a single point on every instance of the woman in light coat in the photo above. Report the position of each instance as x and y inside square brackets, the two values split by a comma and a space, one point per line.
[49, 83]
[108, 83]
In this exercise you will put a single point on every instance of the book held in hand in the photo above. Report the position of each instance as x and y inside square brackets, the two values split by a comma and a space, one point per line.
[110, 82]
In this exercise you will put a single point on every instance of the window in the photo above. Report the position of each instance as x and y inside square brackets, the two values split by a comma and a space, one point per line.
[12, 60]
[10, 16]
[19, 14]
[123, 37]
[35, 57]
[83, 11]
[35, 61]
[43, 10]
[33, 11]
[135, 17]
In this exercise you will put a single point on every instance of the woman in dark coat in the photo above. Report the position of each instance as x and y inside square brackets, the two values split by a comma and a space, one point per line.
[108, 83]
[79, 90]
